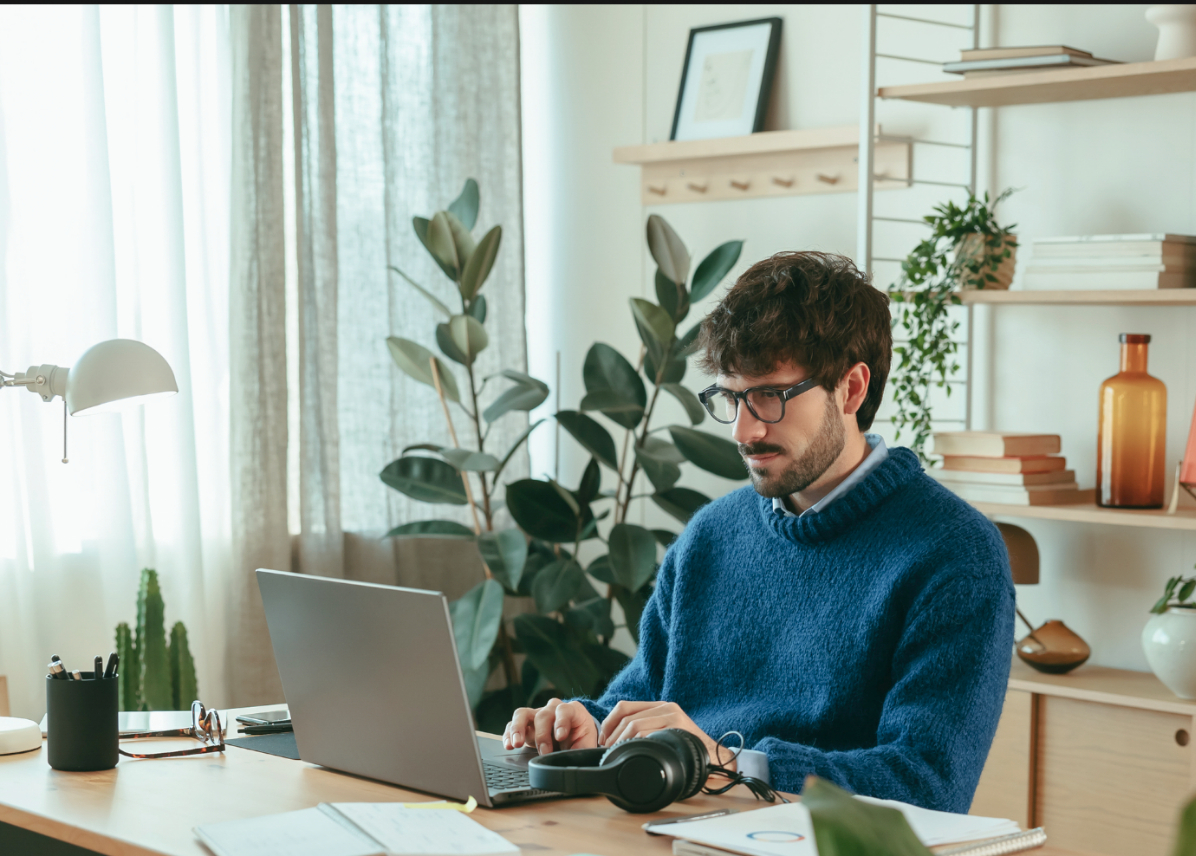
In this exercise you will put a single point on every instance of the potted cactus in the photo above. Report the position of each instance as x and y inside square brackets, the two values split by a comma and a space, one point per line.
[155, 673]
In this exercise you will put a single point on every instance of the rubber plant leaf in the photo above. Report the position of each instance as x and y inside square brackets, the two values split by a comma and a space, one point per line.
[415, 361]
[632, 555]
[541, 511]
[593, 437]
[465, 206]
[431, 529]
[425, 479]
[468, 335]
[476, 617]
[713, 268]
[714, 454]
[845, 826]
[681, 502]
[613, 386]
[505, 553]
[477, 269]
[668, 250]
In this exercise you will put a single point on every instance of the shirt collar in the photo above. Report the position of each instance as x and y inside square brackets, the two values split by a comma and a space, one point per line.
[877, 452]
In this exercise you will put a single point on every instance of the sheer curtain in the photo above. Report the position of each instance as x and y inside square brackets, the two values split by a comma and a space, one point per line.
[114, 159]
[349, 120]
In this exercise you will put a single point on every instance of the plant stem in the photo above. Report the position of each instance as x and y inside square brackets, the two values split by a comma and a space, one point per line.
[477, 526]
[477, 427]
[635, 464]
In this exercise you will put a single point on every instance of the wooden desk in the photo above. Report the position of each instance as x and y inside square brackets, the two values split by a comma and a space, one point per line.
[149, 807]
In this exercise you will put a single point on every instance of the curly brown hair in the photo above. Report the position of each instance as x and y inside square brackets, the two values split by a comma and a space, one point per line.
[813, 309]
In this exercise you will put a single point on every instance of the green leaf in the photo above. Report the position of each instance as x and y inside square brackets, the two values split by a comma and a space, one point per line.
[519, 441]
[616, 386]
[668, 249]
[505, 553]
[664, 537]
[465, 206]
[422, 226]
[476, 617]
[845, 826]
[633, 603]
[681, 502]
[1186, 591]
[477, 308]
[600, 570]
[593, 437]
[415, 361]
[444, 340]
[688, 344]
[663, 474]
[1185, 835]
[468, 335]
[462, 240]
[469, 460]
[475, 682]
[527, 394]
[713, 268]
[674, 370]
[673, 299]
[714, 454]
[592, 616]
[431, 529]
[655, 327]
[693, 408]
[662, 450]
[425, 479]
[556, 654]
[480, 263]
[591, 483]
[441, 245]
[541, 511]
[431, 298]
[556, 584]
[632, 555]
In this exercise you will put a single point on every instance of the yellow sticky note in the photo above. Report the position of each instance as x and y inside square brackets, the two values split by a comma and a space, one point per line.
[466, 807]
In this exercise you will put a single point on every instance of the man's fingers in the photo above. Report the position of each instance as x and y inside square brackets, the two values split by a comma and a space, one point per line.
[513, 735]
[642, 725]
[621, 711]
[544, 719]
[575, 727]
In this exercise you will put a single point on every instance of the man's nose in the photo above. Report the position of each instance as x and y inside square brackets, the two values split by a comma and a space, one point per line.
[748, 429]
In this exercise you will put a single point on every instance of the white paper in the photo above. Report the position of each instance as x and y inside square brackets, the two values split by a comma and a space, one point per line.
[423, 831]
[309, 832]
[943, 827]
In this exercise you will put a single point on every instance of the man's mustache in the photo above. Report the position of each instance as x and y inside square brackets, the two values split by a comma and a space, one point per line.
[751, 449]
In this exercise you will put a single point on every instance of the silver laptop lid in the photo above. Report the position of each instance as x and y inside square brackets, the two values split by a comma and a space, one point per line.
[371, 676]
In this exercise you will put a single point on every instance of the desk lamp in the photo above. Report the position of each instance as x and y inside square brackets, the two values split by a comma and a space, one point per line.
[109, 376]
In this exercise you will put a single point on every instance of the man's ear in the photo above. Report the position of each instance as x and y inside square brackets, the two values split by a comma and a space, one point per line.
[854, 388]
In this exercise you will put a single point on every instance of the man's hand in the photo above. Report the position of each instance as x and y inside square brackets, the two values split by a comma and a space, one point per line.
[641, 718]
[557, 725]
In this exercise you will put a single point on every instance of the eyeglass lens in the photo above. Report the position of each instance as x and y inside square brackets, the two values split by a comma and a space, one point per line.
[766, 405]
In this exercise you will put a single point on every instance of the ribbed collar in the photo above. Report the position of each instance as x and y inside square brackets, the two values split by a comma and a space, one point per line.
[899, 467]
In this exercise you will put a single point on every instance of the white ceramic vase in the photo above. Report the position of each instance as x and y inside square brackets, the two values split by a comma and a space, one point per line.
[1169, 641]
[1177, 30]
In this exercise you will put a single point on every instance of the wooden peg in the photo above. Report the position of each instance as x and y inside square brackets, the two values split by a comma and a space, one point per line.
[828, 179]
[658, 189]
[783, 182]
[741, 184]
[696, 187]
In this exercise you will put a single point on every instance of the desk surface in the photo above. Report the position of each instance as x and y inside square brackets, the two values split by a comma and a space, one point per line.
[149, 807]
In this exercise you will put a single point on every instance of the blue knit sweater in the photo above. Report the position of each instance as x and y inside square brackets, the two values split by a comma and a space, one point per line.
[868, 644]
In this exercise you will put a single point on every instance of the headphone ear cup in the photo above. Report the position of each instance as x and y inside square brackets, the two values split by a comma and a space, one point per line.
[692, 754]
[652, 774]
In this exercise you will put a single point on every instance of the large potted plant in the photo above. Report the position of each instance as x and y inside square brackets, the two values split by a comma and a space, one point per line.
[967, 248]
[564, 626]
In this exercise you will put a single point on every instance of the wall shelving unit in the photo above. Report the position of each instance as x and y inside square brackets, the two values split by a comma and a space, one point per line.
[1157, 297]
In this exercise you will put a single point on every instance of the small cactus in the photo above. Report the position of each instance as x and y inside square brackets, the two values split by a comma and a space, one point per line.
[151, 645]
[183, 684]
[128, 670]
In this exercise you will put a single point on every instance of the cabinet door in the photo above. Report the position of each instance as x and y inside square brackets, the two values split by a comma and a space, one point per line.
[1110, 779]
[1004, 789]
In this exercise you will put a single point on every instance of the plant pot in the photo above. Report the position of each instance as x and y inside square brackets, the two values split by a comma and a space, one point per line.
[972, 247]
[1169, 641]
[1177, 30]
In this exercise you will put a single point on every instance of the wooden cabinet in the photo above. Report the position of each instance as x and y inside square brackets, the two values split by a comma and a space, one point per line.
[1101, 758]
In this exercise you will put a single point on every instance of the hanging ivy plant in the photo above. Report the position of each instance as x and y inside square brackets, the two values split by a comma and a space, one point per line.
[966, 249]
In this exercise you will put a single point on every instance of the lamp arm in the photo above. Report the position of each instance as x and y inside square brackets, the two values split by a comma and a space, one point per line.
[47, 381]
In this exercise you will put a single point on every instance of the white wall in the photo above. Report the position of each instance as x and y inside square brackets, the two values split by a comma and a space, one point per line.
[600, 77]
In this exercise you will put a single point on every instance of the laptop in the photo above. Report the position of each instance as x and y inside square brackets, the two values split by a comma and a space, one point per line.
[371, 677]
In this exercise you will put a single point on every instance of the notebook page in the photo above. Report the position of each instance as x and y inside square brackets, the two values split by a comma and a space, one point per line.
[423, 831]
[309, 832]
[941, 827]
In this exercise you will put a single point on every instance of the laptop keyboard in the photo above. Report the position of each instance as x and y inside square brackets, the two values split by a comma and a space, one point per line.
[500, 777]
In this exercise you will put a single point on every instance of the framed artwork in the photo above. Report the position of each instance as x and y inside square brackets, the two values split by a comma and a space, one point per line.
[726, 79]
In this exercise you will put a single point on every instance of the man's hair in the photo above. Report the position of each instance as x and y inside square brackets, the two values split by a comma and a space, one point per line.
[813, 309]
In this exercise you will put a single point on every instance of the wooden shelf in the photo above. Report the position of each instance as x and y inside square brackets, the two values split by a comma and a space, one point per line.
[771, 163]
[1156, 297]
[1102, 685]
[1184, 517]
[1043, 87]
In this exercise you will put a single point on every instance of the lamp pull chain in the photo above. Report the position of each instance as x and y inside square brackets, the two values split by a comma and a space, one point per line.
[65, 459]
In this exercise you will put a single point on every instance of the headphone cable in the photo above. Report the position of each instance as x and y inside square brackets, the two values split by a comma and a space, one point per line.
[760, 789]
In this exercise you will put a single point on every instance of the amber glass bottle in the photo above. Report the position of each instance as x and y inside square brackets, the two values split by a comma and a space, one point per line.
[1132, 434]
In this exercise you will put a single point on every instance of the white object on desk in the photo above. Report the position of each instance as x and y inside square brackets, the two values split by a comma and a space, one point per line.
[18, 735]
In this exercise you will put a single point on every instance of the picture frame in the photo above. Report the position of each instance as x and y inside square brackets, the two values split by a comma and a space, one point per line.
[726, 79]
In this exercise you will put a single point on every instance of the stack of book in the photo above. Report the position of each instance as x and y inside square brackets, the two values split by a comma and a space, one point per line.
[1013, 469]
[1100, 262]
[987, 62]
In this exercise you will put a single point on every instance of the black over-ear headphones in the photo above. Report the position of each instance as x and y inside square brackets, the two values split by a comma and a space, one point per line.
[642, 774]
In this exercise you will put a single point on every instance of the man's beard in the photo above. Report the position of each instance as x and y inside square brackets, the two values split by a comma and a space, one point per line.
[823, 450]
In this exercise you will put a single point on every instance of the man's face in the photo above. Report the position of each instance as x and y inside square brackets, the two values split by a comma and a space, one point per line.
[786, 457]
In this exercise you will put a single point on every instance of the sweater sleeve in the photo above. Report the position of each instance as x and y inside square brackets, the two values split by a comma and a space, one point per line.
[949, 676]
[642, 679]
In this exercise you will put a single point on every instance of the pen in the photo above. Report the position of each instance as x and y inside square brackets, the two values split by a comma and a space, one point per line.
[76, 675]
[654, 823]
[99, 669]
[57, 672]
[113, 661]
[278, 728]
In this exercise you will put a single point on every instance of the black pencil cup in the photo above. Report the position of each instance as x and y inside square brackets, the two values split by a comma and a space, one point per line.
[83, 725]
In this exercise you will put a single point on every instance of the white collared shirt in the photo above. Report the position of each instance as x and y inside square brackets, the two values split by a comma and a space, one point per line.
[877, 452]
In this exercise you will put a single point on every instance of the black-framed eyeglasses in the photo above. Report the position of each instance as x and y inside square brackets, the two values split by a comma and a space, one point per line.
[205, 726]
[766, 403]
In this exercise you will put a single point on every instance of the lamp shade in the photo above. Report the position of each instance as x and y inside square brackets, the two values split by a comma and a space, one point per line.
[117, 371]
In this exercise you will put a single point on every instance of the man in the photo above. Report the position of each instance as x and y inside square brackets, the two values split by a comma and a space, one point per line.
[850, 617]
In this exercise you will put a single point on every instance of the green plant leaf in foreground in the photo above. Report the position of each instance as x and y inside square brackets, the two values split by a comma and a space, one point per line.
[1185, 834]
[845, 826]
[661, 472]
[714, 454]
[505, 553]
[655, 326]
[541, 511]
[480, 263]
[527, 394]
[668, 250]
[431, 529]
[431, 297]
[469, 460]
[593, 437]
[469, 336]
[415, 361]
[681, 502]
[465, 206]
[557, 654]
[632, 555]
[693, 407]
[441, 245]
[713, 268]
[613, 386]
[425, 479]
[476, 617]
[556, 584]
